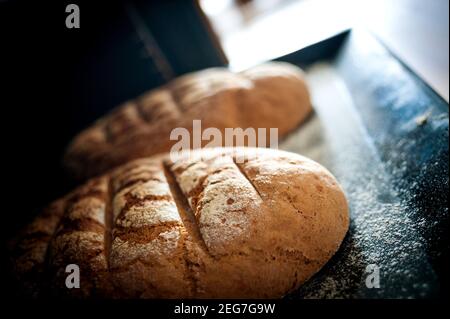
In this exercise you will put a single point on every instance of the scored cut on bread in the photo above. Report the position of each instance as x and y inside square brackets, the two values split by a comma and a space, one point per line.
[205, 226]
[271, 95]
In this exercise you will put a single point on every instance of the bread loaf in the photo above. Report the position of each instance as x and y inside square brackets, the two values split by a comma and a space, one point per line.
[272, 95]
[205, 226]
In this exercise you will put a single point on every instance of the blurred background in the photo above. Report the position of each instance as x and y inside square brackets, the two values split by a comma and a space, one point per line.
[256, 30]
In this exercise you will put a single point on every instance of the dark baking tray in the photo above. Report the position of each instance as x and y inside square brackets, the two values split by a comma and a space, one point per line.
[383, 133]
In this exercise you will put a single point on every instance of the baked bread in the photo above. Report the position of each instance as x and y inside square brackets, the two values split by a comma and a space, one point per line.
[220, 223]
[272, 95]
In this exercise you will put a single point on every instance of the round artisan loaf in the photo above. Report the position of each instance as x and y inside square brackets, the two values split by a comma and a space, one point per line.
[272, 95]
[219, 223]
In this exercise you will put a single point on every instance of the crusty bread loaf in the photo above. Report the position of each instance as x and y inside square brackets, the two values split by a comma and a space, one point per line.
[205, 226]
[272, 95]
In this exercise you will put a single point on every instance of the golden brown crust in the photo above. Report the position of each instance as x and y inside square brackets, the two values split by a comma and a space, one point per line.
[220, 223]
[272, 95]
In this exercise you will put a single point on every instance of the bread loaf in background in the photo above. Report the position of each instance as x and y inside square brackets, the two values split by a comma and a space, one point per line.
[272, 95]
[205, 226]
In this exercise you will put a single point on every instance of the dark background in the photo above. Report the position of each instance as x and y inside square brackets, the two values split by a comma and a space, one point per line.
[58, 80]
